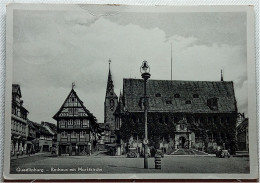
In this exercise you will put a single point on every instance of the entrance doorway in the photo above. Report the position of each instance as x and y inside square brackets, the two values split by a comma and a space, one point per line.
[182, 142]
[45, 148]
[73, 150]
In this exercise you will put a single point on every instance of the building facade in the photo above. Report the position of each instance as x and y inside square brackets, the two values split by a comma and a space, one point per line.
[31, 138]
[76, 127]
[44, 139]
[242, 135]
[52, 128]
[181, 114]
[18, 122]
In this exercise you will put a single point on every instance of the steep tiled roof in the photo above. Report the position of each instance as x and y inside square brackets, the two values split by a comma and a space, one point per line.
[16, 89]
[193, 95]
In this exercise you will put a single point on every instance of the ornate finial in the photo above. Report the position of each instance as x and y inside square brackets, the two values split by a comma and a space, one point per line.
[222, 76]
[73, 84]
[109, 61]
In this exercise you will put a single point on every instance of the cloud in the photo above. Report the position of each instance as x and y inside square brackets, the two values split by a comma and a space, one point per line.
[52, 50]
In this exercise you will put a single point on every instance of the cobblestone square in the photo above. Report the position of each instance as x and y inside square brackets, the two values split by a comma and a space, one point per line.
[113, 164]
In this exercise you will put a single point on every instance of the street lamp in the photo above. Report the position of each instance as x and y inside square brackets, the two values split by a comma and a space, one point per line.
[145, 71]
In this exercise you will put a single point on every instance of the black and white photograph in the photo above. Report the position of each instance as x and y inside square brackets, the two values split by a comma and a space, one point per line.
[145, 91]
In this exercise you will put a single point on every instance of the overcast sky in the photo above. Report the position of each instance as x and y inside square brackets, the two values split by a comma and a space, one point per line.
[52, 49]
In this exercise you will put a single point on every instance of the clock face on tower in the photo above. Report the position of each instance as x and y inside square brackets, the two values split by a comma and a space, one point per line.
[112, 104]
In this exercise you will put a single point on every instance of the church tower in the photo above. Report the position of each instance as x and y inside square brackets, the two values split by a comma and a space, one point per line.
[111, 102]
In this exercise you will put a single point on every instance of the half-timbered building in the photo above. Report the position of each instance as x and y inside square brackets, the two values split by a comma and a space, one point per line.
[75, 127]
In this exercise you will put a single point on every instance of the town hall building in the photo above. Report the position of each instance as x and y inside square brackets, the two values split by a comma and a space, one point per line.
[181, 114]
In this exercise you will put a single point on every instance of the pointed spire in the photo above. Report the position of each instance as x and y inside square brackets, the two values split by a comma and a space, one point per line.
[171, 61]
[120, 96]
[110, 85]
[109, 61]
[222, 76]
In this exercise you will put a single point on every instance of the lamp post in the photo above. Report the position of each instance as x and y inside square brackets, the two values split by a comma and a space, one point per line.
[145, 71]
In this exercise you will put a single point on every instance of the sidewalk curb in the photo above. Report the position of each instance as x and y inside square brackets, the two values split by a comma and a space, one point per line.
[192, 155]
[12, 158]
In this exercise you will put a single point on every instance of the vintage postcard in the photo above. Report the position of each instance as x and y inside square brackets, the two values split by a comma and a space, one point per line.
[140, 92]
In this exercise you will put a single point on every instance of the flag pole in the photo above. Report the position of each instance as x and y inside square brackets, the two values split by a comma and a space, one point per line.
[171, 61]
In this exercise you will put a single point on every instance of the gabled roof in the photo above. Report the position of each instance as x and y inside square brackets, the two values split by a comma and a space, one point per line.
[179, 96]
[81, 103]
[16, 90]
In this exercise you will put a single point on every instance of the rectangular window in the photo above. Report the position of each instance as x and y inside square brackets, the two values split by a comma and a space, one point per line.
[70, 111]
[75, 111]
[73, 135]
[70, 122]
[77, 122]
[85, 123]
[82, 134]
[62, 123]
[87, 137]
[64, 135]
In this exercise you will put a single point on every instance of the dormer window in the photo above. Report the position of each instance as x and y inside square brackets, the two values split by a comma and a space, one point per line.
[213, 103]
[168, 102]
[158, 95]
[188, 102]
[195, 95]
[177, 95]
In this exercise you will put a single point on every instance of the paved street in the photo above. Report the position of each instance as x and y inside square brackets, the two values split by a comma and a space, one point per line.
[106, 164]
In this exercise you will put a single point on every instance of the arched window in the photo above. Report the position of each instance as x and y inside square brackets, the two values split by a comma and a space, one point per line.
[168, 102]
[195, 95]
[177, 95]
[64, 134]
[158, 95]
[188, 102]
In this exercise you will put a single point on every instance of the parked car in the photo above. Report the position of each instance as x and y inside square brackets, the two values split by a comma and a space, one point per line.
[222, 153]
[132, 153]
